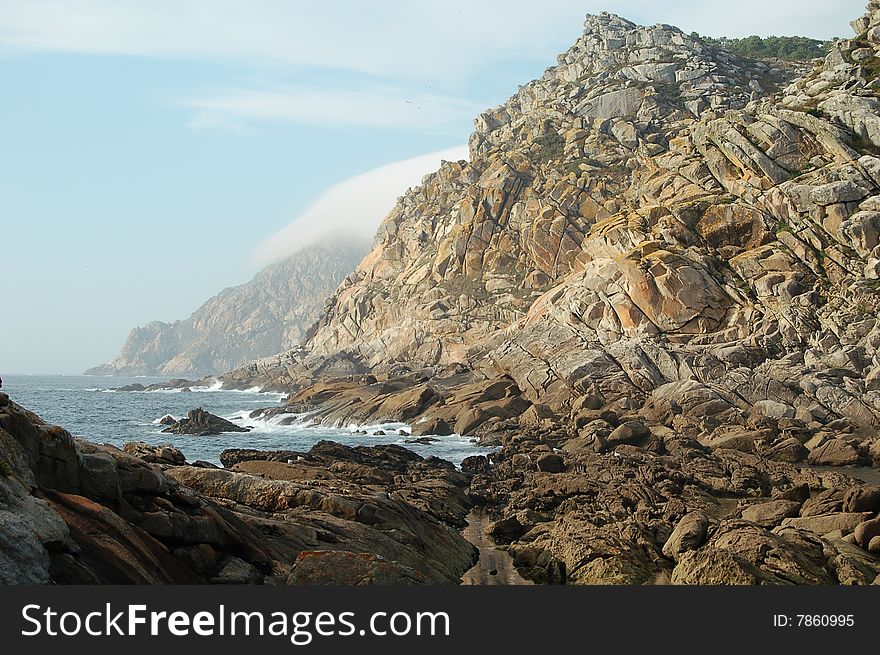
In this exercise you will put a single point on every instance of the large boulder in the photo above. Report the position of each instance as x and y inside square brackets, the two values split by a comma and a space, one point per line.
[835, 452]
[771, 513]
[689, 534]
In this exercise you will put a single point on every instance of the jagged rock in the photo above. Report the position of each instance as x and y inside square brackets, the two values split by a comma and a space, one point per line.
[773, 409]
[75, 512]
[237, 571]
[654, 233]
[200, 423]
[713, 567]
[633, 433]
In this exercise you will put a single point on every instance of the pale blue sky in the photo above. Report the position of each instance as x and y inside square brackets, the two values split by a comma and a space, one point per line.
[148, 148]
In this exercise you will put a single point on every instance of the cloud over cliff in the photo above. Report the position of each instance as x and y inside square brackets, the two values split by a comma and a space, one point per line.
[355, 206]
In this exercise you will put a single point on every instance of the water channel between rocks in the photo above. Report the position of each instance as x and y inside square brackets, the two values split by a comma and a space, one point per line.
[495, 567]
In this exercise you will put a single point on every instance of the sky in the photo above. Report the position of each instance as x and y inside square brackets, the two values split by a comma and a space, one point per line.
[155, 152]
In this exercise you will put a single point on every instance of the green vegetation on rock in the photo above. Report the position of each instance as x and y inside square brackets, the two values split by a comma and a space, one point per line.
[790, 48]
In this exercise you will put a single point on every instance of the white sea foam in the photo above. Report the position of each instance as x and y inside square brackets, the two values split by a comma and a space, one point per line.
[369, 428]
[216, 385]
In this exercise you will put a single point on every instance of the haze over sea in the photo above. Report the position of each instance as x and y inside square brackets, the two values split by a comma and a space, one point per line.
[88, 407]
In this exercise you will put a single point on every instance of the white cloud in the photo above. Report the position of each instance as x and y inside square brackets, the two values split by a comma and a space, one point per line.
[391, 38]
[355, 206]
[389, 53]
[416, 39]
[371, 107]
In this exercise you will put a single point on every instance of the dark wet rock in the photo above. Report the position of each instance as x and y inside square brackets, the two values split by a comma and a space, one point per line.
[503, 531]
[131, 387]
[475, 464]
[550, 463]
[233, 456]
[236, 571]
[200, 423]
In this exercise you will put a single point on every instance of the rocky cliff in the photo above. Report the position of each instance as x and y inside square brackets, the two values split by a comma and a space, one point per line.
[655, 286]
[269, 314]
[653, 210]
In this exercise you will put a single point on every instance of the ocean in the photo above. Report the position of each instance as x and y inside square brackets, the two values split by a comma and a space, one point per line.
[88, 407]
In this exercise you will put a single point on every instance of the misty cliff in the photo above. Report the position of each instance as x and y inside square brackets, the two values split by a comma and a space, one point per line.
[268, 314]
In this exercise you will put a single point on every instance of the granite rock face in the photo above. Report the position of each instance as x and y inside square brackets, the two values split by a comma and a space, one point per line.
[658, 275]
[555, 187]
[269, 314]
[654, 222]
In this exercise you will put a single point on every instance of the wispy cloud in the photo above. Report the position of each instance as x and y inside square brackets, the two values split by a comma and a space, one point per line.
[355, 206]
[411, 38]
[391, 38]
[371, 107]
[387, 52]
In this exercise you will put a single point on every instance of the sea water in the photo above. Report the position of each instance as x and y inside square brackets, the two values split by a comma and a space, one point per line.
[90, 408]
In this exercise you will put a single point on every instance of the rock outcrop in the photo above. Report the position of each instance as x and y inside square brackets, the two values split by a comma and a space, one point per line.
[200, 423]
[655, 285]
[76, 512]
[269, 314]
